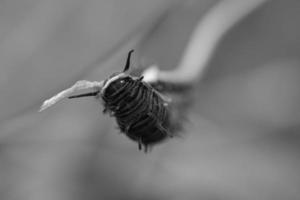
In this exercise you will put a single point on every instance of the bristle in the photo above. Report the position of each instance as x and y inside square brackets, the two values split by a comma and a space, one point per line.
[84, 95]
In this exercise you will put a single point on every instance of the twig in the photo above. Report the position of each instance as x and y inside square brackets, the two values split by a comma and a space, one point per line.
[79, 85]
[204, 40]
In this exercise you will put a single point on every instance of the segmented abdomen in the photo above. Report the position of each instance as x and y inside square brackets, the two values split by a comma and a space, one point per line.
[140, 112]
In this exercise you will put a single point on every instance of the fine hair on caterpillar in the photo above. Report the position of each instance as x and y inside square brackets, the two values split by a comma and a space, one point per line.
[141, 112]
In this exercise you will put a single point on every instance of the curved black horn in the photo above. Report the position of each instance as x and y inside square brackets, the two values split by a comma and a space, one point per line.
[128, 61]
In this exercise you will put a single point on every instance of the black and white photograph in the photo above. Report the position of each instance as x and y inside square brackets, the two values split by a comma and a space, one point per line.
[149, 100]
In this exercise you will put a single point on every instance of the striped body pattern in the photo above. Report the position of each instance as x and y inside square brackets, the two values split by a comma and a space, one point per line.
[140, 111]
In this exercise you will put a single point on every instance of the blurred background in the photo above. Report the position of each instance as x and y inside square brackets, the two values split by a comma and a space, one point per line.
[241, 141]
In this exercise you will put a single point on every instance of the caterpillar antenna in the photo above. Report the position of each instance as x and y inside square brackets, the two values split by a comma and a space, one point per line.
[128, 61]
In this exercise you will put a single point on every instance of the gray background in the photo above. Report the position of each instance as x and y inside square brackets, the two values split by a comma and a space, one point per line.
[242, 137]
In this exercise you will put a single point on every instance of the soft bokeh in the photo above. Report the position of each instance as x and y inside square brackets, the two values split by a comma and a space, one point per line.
[242, 136]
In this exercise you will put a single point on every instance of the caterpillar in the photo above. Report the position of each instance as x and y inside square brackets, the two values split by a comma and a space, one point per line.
[141, 112]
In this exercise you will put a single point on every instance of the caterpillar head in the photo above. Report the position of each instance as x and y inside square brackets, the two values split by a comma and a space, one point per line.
[113, 83]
